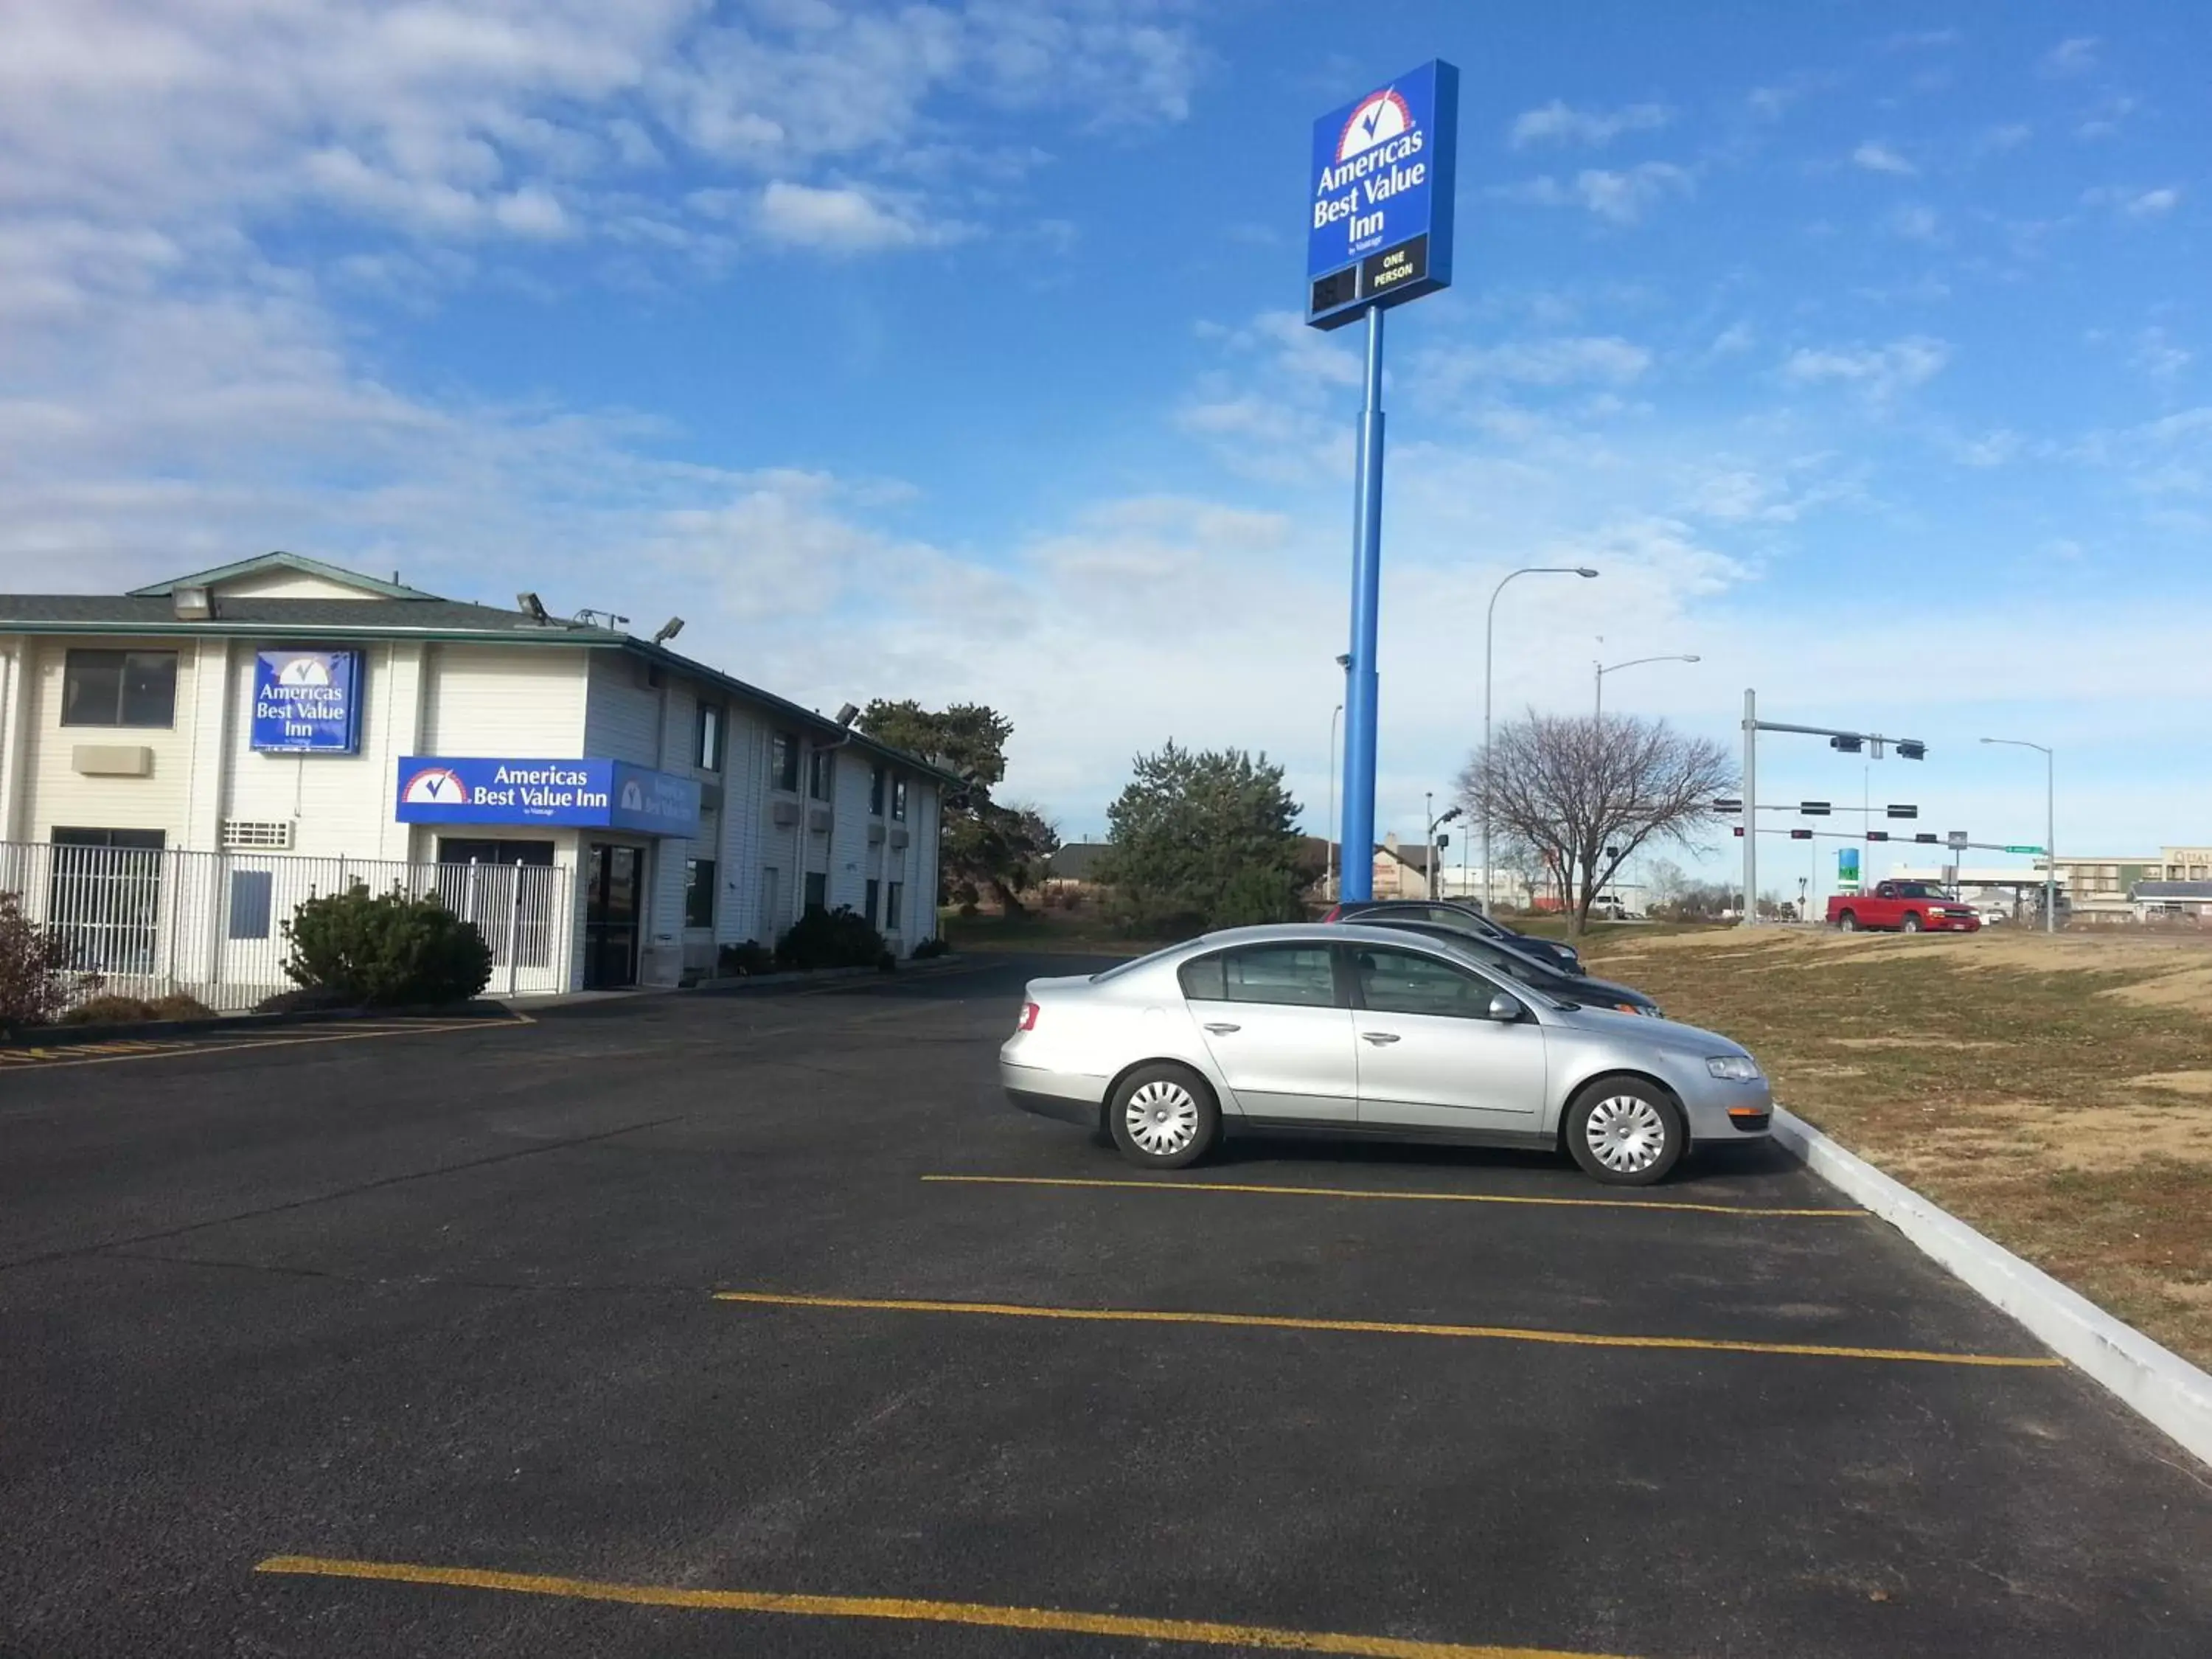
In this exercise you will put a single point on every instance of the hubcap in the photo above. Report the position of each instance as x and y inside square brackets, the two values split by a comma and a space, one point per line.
[1162, 1118]
[1627, 1133]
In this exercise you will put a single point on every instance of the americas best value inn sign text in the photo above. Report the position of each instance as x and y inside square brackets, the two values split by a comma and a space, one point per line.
[590, 794]
[1380, 230]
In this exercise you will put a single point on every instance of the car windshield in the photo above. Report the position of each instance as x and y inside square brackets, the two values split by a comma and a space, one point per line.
[1528, 987]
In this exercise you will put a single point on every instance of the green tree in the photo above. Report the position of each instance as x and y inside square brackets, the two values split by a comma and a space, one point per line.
[982, 844]
[1201, 839]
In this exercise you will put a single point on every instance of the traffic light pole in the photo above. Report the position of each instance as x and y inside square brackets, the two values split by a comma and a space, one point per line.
[1907, 749]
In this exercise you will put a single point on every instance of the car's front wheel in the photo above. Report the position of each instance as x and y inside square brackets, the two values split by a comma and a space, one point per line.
[1912, 921]
[1164, 1117]
[1625, 1132]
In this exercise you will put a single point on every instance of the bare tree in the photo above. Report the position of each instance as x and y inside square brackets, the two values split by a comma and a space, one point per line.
[1585, 791]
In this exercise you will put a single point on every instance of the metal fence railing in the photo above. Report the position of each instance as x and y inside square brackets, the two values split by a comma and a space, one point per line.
[154, 922]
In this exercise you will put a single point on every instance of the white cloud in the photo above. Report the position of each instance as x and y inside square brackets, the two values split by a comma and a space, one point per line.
[2131, 203]
[1916, 222]
[1558, 360]
[1560, 123]
[841, 220]
[1620, 197]
[2005, 137]
[1877, 157]
[2070, 57]
[1921, 39]
[2157, 356]
[1879, 372]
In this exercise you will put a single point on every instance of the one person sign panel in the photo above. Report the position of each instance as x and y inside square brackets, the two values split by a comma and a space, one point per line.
[1379, 226]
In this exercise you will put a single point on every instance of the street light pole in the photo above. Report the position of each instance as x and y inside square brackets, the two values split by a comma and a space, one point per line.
[1603, 669]
[1489, 640]
[2050, 825]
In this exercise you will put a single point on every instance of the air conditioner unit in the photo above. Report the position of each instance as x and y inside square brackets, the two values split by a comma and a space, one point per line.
[898, 839]
[817, 819]
[784, 812]
[875, 834]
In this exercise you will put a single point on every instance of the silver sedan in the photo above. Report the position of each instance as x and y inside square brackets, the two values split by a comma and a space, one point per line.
[1343, 1028]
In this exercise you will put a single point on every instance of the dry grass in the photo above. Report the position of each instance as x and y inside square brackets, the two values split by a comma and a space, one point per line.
[2056, 1093]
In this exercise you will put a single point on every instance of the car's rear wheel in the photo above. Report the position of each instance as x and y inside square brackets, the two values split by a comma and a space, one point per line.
[1164, 1117]
[1848, 922]
[1912, 921]
[1625, 1132]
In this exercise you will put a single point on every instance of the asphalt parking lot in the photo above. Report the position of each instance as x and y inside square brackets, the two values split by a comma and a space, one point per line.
[759, 1325]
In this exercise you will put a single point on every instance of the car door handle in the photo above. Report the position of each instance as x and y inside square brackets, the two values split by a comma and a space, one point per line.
[1380, 1037]
[1222, 1027]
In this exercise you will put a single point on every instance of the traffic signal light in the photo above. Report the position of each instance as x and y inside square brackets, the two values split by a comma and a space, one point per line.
[1442, 842]
[1877, 834]
[1928, 837]
[1904, 812]
[1739, 830]
[1847, 745]
[1728, 804]
[1911, 749]
[1800, 835]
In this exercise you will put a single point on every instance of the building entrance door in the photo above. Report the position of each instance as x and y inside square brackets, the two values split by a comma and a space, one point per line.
[613, 889]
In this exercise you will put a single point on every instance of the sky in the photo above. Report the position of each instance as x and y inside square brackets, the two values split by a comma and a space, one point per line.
[955, 351]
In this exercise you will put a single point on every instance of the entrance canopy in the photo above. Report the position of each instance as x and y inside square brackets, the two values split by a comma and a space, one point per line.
[591, 795]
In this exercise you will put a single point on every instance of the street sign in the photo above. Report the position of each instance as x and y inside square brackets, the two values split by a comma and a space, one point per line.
[1813, 809]
[1379, 193]
[1956, 838]
[1898, 811]
[2023, 849]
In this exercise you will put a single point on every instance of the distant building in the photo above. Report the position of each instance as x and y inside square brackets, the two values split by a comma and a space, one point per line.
[2161, 901]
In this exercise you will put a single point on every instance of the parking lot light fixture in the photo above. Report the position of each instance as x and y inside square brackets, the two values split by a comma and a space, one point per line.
[1603, 669]
[1489, 638]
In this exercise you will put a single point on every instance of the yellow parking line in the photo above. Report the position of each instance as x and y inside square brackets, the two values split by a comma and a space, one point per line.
[101, 1053]
[1192, 1632]
[1355, 1192]
[1378, 1328]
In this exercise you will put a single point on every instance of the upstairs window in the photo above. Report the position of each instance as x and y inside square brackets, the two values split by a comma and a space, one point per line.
[898, 799]
[709, 756]
[876, 779]
[783, 761]
[119, 688]
[822, 764]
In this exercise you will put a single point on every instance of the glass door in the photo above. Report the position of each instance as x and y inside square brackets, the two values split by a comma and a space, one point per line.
[611, 883]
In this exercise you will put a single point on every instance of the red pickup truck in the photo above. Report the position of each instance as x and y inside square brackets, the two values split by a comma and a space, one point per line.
[1912, 906]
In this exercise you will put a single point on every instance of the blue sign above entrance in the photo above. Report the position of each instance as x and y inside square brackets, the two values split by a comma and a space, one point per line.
[592, 794]
[1379, 197]
[306, 702]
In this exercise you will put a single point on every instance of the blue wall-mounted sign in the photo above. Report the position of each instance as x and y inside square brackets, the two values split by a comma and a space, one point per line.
[591, 795]
[1379, 197]
[306, 702]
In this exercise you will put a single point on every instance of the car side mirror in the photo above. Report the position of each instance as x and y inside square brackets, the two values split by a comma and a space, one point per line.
[1504, 1008]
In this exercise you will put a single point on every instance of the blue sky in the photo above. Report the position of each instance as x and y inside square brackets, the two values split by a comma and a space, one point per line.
[953, 351]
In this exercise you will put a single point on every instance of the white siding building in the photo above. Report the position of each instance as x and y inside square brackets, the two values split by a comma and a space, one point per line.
[697, 810]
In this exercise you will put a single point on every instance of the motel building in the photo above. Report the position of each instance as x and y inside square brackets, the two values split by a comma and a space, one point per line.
[181, 766]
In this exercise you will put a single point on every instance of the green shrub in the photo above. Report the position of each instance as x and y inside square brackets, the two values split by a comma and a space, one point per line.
[177, 1006]
[1256, 894]
[830, 938]
[386, 952]
[746, 956]
[311, 1000]
[110, 1009]
[36, 982]
[931, 947]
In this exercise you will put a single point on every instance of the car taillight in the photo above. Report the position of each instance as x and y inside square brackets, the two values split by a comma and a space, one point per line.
[1028, 1021]
[1335, 913]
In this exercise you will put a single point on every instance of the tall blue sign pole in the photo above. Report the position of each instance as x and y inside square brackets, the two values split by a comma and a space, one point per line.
[1380, 233]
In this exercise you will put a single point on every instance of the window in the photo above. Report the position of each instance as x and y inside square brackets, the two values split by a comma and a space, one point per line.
[898, 800]
[250, 895]
[771, 915]
[821, 764]
[818, 890]
[868, 910]
[876, 779]
[783, 761]
[119, 688]
[1300, 974]
[710, 755]
[1399, 983]
[895, 908]
[698, 892]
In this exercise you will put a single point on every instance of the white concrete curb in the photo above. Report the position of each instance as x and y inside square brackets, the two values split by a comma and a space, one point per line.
[2153, 1382]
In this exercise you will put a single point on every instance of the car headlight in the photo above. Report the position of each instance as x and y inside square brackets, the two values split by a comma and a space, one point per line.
[1734, 1068]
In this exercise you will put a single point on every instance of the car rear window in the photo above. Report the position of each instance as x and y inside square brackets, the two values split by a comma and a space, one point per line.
[1298, 974]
